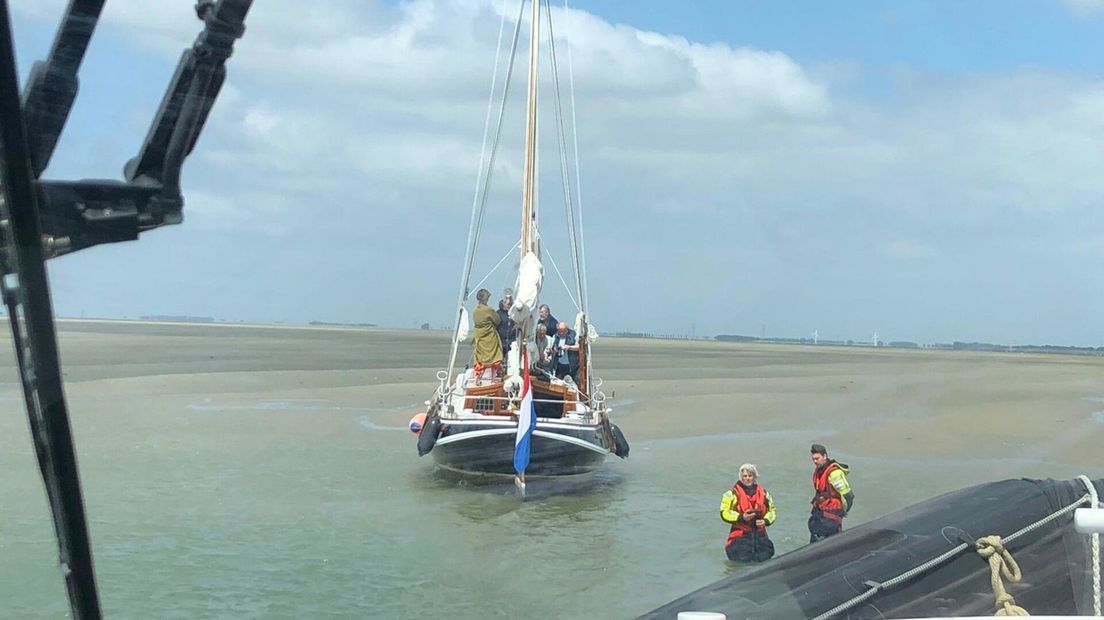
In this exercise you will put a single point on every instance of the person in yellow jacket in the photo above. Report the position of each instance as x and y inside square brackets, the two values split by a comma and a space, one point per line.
[750, 511]
[832, 495]
[488, 346]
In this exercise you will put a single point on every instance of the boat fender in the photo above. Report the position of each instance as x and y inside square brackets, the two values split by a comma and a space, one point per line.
[417, 422]
[428, 436]
[620, 444]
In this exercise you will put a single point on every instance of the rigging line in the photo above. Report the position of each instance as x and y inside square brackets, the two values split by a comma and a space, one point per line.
[494, 145]
[575, 142]
[581, 267]
[562, 142]
[498, 264]
[562, 281]
[477, 222]
[482, 155]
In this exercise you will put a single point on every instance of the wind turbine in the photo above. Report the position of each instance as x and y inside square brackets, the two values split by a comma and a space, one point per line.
[816, 335]
[875, 338]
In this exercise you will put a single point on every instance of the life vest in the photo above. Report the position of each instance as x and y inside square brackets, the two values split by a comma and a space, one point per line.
[744, 503]
[827, 499]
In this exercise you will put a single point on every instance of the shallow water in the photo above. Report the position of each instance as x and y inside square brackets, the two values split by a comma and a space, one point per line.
[257, 502]
[1097, 416]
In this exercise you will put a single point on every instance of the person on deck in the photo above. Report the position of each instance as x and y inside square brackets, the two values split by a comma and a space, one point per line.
[565, 353]
[750, 510]
[507, 331]
[832, 498]
[488, 347]
[543, 344]
[547, 319]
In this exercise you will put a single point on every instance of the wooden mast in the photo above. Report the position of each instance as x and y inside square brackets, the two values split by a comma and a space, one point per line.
[528, 191]
[528, 243]
[584, 353]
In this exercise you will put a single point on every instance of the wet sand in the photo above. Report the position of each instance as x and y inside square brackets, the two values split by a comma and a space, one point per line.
[240, 471]
[864, 401]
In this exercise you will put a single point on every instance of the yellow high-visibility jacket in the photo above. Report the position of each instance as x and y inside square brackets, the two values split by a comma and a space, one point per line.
[838, 479]
[730, 508]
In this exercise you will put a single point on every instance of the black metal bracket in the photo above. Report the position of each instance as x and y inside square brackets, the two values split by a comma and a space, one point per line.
[40, 219]
[81, 214]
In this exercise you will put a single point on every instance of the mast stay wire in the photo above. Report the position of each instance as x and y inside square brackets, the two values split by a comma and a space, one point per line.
[498, 264]
[484, 176]
[585, 301]
[569, 210]
[567, 289]
[481, 197]
[479, 201]
[575, 232]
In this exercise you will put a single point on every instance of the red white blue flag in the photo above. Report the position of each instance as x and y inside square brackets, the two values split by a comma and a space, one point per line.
[527, 418]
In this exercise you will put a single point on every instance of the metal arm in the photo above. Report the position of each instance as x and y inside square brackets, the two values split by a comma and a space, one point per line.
[27, 296]
[53, 84]
[81, 214]
[39, 219]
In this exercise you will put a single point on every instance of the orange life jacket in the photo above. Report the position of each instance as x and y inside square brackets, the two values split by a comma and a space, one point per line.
[827, 499]
[744, 503]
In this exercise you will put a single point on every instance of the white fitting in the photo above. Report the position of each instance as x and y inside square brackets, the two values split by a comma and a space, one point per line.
[1089, 520]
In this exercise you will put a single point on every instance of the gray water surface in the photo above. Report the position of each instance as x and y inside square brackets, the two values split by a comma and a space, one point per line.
[258, 501]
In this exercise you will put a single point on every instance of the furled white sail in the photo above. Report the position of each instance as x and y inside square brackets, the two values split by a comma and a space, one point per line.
[530, 278]
[463, 330]
[513, 360]
[585, 329]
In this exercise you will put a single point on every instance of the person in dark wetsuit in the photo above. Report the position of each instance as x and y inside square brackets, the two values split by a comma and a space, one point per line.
[750, 511]
[832, 495]
[507, 330]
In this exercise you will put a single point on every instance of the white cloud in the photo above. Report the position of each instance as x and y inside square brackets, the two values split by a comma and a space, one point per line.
[346, 121]
[1084, 8]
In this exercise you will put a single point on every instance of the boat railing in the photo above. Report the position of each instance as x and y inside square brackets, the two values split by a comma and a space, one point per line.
[444, 393]
[514, 398]
[594, 406]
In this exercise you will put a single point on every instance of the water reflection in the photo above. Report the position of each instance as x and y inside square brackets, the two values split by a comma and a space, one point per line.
[481, 498]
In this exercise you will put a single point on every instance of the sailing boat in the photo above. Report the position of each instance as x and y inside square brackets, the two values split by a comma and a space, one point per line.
[472, 422]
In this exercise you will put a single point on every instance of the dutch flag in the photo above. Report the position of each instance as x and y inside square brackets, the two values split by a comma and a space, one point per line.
[527, 419]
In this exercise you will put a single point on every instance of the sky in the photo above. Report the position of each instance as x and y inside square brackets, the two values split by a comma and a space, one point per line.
[924, 170]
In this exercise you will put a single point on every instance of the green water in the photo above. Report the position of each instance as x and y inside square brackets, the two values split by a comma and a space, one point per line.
[241, 505]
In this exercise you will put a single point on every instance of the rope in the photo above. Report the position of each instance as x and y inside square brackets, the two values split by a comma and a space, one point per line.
[1001, 563]
[940, 559]
[482, 157]
[578, 246]
[498, 264]
[565, 175]
[562, 281]
[575, 142]
[476, 223]
[497, 138]
[1095, 544]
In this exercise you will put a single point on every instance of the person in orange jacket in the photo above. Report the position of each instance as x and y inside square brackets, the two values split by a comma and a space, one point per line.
[750, 510]
[832, 498]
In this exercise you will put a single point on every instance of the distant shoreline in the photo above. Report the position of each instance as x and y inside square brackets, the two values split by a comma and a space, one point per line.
[226, 324]
[957, 347]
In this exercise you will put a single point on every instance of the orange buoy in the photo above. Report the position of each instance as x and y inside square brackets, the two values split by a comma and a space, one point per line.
[417, 422]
